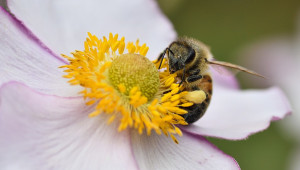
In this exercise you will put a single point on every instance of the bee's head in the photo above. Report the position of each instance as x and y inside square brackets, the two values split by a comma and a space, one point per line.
[178, 53]
[175, 62]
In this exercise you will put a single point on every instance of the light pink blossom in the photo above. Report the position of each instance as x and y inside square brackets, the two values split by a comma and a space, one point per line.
[44, 123]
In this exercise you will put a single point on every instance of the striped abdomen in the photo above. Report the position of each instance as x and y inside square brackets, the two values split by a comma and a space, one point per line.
[196, 111]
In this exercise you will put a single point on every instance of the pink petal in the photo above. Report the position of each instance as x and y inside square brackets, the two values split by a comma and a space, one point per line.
[192, 152]
[23, 59]
[223, 77]
[235, 114]
[47, 132]
[63, 24]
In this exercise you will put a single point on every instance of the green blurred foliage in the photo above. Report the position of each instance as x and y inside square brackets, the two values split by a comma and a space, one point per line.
[3, 3]
[227, 26]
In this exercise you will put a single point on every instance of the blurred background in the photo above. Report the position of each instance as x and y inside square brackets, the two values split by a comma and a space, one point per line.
[2, 3]
[229, 28]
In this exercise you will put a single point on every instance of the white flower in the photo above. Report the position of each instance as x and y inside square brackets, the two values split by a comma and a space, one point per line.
[44, 124]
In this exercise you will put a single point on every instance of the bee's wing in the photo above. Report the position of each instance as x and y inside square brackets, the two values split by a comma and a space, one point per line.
[237, 67]
[222, 71]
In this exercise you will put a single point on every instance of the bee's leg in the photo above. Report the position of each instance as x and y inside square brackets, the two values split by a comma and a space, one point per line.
[194, 78]
[162, 56]
[167, 91]
[195, 112]
[194, 75]
[194, 72]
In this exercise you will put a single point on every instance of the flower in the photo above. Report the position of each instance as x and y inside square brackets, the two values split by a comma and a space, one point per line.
[129, 84]
[281, 55]
[44, 124]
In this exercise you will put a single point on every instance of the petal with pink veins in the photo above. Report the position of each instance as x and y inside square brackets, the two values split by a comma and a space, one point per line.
[235, 114]
[47, 132]
[23, 59]
[192, 152]
[63, 24]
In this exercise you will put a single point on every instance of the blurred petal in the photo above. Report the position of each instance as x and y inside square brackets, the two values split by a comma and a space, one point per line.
[294, 163]
[63, 24]
[274, 58]
[48, 132]
[23, 59]
[192, 152]
[280, 56]
[291, 125]
[235, 114]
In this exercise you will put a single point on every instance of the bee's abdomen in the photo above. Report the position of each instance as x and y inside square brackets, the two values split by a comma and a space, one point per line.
[196, 111]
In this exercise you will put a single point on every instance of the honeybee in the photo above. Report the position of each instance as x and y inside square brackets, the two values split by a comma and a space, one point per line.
[190, 59]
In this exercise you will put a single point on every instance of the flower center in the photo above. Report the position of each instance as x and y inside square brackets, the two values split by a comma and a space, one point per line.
[133, 70]
[128, 87]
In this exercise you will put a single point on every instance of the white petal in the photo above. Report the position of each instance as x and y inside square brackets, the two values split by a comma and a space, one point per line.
[192, 152]
[47, 132]
[22, 58]
[63, 24]
[235, 114]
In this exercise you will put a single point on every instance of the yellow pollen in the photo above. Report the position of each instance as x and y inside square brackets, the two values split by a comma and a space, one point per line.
[122, 88]
[118, 80]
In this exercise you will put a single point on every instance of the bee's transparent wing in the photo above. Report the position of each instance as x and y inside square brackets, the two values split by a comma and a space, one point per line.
[215, 65]
[222, 71]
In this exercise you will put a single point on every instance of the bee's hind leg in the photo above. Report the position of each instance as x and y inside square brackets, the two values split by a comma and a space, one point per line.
[195, 112]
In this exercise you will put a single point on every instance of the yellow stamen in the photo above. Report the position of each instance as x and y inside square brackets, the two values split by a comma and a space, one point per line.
[90, 102]
[124, 82]
[112, 118]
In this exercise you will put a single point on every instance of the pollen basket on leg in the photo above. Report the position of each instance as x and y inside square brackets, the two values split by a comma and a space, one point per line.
[120, 81]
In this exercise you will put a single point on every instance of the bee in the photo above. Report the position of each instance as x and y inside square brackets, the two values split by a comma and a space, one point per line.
[190, 59]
